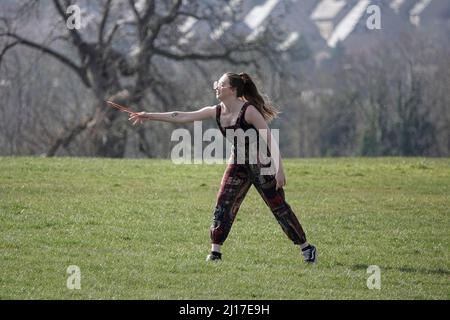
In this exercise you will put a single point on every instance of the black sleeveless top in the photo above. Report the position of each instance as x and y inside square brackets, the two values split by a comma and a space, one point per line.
[240, 121]
[244, 125]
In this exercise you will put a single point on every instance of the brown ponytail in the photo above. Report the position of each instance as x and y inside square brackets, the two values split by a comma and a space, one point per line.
[246, 88]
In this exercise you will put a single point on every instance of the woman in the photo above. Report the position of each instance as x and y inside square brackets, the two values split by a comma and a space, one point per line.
[242, 107]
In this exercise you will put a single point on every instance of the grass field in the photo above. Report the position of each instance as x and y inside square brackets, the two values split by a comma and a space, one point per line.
[139, 229]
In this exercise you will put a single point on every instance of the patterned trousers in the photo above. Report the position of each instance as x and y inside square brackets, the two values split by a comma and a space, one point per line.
[236, 181]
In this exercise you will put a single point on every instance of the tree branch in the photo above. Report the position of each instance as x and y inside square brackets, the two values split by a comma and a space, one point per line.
[63, 59]
[173, 13]
[149, 11]
[103, 22]
[192, 15]
[198, 56]
[65, 139]
[117, 25]
[6, 48]
[77, 40]
[133, 7]
[170, 17]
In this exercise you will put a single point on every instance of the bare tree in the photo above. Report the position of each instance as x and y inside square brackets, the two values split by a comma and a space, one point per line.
[118, 54]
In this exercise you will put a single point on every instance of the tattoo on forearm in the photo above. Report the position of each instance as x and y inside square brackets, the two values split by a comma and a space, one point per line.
[174, 114]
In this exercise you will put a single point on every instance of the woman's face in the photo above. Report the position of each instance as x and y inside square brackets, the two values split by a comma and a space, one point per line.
[223, 89]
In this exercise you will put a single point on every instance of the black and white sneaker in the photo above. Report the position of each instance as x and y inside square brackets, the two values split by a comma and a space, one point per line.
[214, 256]
[310, 254]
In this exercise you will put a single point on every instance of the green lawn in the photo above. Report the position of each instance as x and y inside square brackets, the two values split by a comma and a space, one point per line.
[139, 229]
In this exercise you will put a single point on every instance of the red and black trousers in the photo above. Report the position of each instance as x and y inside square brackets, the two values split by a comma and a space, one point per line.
[236, 181]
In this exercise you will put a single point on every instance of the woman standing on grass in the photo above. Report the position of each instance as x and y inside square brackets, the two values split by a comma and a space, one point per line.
[242, 107]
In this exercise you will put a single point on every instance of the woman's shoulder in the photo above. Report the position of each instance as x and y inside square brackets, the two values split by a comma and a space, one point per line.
[250, 113]
[251, 108]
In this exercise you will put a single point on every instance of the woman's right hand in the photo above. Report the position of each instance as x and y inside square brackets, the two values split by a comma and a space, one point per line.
[138, 117]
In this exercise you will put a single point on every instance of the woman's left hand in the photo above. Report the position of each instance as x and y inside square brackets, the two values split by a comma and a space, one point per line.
[281, 179]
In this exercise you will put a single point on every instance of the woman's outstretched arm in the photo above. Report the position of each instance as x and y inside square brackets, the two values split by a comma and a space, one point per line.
[174, 116]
